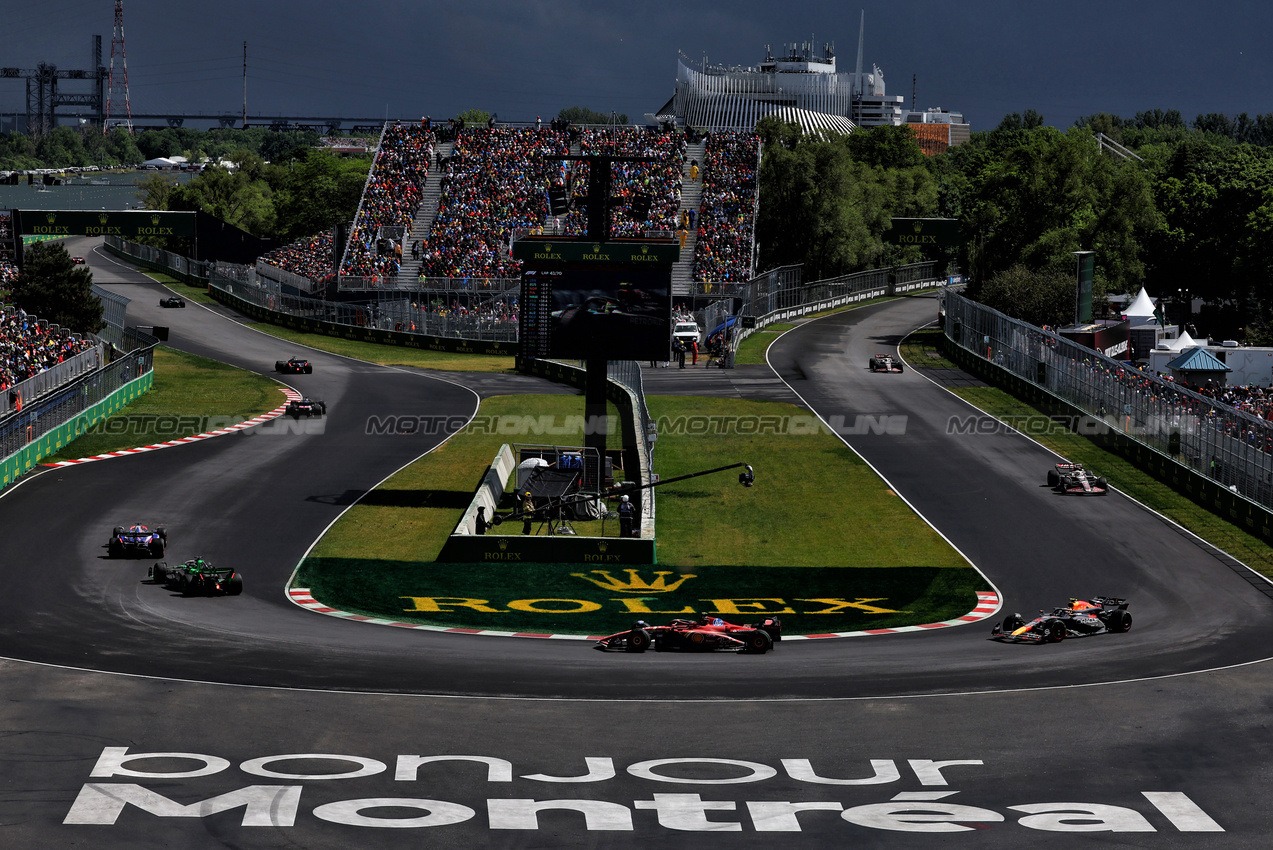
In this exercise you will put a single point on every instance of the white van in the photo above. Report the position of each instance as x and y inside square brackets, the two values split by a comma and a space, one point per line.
[686, 332]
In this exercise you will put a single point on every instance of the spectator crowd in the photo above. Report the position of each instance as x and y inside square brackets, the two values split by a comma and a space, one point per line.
[27, 347]
[390, 199]
[311, 258]
[494, 184]
[727, 212]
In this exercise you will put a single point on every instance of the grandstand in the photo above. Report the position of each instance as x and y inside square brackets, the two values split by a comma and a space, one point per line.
[437, 219]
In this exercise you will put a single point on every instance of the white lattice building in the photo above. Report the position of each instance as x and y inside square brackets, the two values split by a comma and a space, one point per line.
[801, 86]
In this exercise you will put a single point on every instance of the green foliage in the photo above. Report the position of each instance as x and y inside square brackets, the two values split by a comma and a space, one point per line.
[1034, 196]
[826, 202]
[584, 115]
[1037, 297]
[475, 117]
[52, 287]
[316, 191]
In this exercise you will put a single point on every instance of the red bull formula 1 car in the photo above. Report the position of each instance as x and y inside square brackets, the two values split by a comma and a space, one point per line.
[1073, 478]
[1083, 617]
[885, 363]
[706, 634]
[136, 540]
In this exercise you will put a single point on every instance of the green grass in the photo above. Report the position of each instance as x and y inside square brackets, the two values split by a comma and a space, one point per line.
[392, 355]
[190, 393]
[410, 516]
[751, 351]
[818, 527]
[815, 502]
[1121, 474]
[565, 598]
[188, 291]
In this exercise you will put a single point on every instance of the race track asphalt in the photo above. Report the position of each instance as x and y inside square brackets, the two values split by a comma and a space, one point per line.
[254, 676]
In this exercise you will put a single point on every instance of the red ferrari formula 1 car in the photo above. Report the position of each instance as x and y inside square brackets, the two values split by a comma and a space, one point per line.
[1096, 616]
[885, 363]
[706, 634]
[1073, 478]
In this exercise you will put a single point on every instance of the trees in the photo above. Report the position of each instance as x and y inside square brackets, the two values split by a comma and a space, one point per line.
[1037, 297]
[52, 287]
[584, 115]
[826, 202]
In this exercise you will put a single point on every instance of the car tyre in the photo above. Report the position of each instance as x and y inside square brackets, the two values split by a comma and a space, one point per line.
[1119, 621]
[638, 640]
[1054, 631]
[157, 549]
[1012, 622]
[1102, 483]
[1054, 478]
[163, 534]
[235, 586]
[758, 643]
[115, 549]
[117, 530]
[899, 367]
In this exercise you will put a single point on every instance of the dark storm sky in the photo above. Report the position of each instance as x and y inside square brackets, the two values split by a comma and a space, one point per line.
[520, 59]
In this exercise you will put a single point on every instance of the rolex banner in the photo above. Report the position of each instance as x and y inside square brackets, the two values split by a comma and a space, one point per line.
[928, 232]
[126, 224]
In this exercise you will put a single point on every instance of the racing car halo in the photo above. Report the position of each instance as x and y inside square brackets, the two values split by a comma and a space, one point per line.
[197, 577]
[1081, 618]
[708, 633]
[136, 540]
[1073, 478]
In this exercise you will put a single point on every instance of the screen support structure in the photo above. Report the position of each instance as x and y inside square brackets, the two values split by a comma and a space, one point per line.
[594, 395]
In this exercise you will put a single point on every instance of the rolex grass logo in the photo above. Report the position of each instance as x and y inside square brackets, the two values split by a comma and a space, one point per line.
[645, 249]
[596, 249]
[155, 219]
[503, 544]
[102, 218]
[635, 583]
[52, 218]
[919, 226]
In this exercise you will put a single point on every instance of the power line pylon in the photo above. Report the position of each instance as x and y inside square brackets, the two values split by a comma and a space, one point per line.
[115, 91]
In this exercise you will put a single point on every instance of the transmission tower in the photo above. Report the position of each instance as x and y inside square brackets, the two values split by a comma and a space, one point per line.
[117, 92]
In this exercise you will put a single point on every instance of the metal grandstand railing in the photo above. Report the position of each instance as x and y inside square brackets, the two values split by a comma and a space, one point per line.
[42, 415]
[779, 294]
[1214, 439]
[486, 321]
[344, 257]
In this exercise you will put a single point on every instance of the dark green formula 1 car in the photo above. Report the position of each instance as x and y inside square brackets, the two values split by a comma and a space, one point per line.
[197, 577]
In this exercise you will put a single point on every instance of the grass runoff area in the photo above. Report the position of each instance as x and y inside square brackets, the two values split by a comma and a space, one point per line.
[391, 355]
[819, 539]
[191, 395]
[188, 291]
[922, 352]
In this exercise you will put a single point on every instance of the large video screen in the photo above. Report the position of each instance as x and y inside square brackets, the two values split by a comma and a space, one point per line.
[615, 314]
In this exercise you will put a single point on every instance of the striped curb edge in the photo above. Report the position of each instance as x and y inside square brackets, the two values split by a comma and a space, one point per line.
[987, 605]
[291, 395]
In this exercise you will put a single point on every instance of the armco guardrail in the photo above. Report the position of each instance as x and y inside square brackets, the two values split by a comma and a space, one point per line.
[49, 423]
[1219, 456]
[779, 295]
[390, 323]
[183, 268]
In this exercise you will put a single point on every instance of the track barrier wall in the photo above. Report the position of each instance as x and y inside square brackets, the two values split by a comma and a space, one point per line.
[1212, 453]
[303, 314]
[59, 435]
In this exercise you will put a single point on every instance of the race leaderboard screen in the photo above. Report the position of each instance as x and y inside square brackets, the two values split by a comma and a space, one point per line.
[609, 313]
